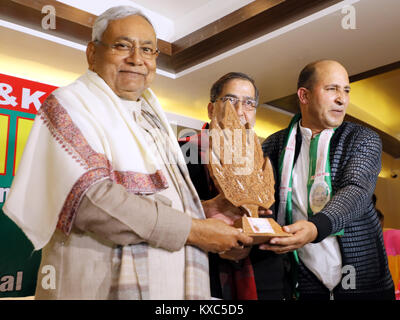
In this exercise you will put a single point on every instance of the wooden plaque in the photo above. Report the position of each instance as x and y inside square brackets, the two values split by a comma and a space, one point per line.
[254, 228]
[239, 169]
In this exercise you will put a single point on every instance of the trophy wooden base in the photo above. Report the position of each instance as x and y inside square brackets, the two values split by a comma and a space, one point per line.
[260, 229]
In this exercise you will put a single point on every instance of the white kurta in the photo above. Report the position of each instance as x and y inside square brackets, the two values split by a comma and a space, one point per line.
[166, 269]
[324, 258]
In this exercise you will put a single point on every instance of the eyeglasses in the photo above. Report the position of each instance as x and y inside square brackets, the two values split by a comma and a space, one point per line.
[127, 48]
[247, 104]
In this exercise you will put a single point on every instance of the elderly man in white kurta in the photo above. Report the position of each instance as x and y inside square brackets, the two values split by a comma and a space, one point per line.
[102, 186]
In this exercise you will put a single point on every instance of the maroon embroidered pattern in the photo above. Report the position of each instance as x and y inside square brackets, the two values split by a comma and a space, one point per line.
[97, 166]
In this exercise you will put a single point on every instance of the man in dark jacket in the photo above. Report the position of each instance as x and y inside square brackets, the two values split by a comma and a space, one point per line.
[327, 172]
[248, 273]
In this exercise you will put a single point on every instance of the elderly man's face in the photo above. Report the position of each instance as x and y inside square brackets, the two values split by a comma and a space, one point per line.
[242, 90]
[130, 74]
[325, 105]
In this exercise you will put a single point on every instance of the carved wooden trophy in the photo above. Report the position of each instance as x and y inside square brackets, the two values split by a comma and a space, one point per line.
[240, 172]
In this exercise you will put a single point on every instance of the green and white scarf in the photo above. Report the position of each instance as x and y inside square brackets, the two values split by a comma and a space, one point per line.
[319, 185]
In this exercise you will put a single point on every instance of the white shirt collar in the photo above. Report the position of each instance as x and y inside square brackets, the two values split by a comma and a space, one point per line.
[305, 132]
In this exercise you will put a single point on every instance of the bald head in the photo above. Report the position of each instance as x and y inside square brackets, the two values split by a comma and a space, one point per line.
[310, 73]
[323, 92]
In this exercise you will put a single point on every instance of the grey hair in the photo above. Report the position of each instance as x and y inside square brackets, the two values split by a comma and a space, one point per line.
[218, 86]
[114, 13]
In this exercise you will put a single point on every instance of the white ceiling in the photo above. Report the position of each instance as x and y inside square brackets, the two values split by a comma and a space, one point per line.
[173, 19]
[173, 9]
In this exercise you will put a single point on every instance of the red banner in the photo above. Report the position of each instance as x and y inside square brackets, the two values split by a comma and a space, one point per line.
[22, 95]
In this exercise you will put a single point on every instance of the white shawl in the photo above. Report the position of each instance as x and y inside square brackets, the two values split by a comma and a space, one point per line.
[79, 137]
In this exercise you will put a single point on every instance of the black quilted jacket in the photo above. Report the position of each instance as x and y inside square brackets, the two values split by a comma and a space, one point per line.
[355, 158]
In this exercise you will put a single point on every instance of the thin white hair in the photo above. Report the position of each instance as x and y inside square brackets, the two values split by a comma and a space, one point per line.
[114, 13]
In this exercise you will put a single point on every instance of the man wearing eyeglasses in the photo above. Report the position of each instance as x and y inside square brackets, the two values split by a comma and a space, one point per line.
[240, 90]
[241, 273]
[110, 199]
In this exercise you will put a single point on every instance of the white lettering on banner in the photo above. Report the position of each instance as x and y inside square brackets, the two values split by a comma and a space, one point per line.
[27, 98]
[5, 89]
[49, 280]
[18, 284]
[3, 194]
[7, 282]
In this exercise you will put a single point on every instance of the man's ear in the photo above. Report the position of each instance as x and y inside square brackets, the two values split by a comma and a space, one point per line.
[303, 95]
[90, 54]
[210, 109]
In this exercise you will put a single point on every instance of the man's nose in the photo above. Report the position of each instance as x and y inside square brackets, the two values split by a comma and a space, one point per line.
[340, 98]
[135, 57]
[239, 108]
